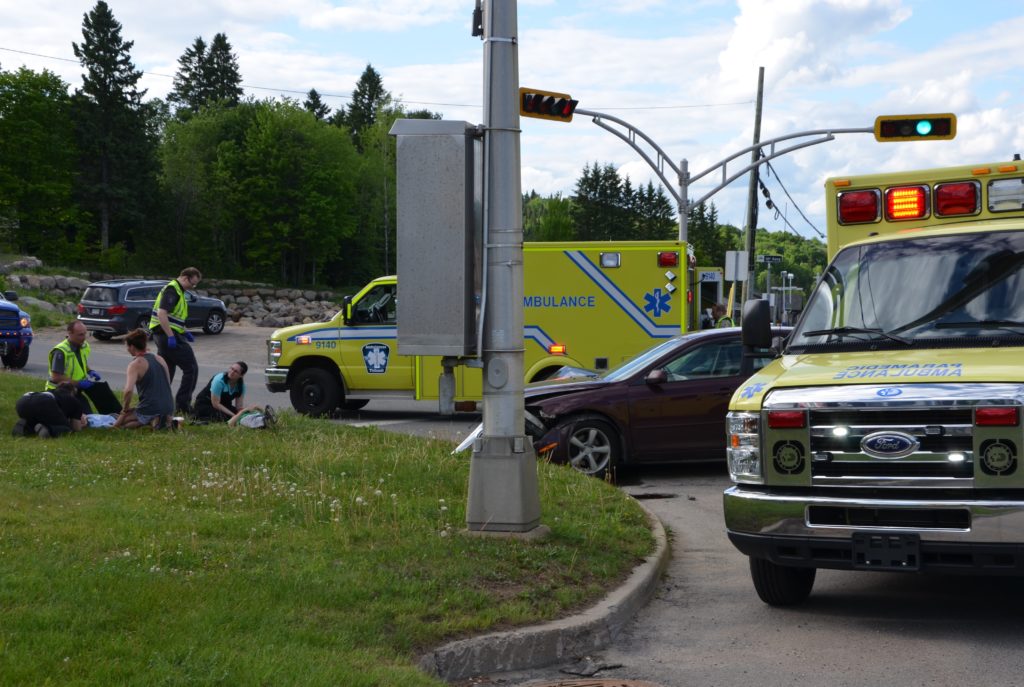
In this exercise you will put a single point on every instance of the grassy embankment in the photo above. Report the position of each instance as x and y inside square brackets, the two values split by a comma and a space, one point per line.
[313, 554]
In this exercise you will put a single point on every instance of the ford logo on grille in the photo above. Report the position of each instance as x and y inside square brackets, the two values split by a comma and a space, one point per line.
[889, 444]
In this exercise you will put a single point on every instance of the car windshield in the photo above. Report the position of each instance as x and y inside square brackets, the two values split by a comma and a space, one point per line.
[923, 292]
[628, 367]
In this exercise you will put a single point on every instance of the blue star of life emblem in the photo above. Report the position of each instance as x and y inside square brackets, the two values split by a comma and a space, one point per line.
[375, 355]
[657, 302]
[751, 391]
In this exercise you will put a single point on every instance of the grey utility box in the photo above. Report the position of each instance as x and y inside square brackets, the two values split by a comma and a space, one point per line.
[440, 201]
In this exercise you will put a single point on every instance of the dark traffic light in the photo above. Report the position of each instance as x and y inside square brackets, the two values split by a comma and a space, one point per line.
[546, 105]
[922, 127]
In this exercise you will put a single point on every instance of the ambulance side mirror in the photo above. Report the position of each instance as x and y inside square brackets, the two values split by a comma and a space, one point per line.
[346, 309]
[757, 333]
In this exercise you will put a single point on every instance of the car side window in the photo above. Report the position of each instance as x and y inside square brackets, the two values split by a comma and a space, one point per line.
[716, 359]
[377, 306]
[143, 293]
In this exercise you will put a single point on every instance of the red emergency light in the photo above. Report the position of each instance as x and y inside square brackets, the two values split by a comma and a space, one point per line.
[906, 203]
[997, 417]
[668, 258]
[859, 207]
[957, 198]
[787, 419]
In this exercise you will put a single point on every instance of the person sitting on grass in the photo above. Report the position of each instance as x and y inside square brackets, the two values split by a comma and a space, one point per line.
[49, 414]
[147, 373]
[254, 417]
[223, 395]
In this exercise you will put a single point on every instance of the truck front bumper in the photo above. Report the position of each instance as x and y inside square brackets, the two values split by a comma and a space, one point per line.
[975, 536]
[276, 378]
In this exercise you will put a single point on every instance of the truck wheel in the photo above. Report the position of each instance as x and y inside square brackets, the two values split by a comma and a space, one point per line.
[780, 585]
[315, 392]
[593, 446]
[18, 360]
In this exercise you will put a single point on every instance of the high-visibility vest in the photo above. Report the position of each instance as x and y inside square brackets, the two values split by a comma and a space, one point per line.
[725, 322]
[72, 368]
[176, 318]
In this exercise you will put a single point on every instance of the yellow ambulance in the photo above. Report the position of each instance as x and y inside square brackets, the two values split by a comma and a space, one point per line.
[887, 433]
[586, 304]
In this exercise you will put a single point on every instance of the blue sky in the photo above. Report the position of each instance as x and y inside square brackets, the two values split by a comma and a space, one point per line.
[684, 73]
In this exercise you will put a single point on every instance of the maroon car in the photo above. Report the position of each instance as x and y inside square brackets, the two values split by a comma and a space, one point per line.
[664, 405]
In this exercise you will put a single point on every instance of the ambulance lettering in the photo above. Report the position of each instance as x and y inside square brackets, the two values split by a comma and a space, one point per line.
[901, 370]
[559, 301]
[376, 355]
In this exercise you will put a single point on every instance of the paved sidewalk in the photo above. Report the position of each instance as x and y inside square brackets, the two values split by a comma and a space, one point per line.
[558, 640]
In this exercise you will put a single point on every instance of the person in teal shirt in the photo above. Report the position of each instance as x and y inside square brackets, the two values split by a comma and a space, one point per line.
[223, 396]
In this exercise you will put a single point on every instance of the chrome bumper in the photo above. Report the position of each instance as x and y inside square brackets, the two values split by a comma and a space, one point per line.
[276, 378]
[951, 536]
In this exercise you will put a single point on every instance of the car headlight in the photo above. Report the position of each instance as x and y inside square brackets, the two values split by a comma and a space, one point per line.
[25, 321]
[743, 431]
[273, 351]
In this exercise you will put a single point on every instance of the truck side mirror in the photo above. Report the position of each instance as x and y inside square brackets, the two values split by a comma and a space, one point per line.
[11, 295]
[757, 333]
[346, 309]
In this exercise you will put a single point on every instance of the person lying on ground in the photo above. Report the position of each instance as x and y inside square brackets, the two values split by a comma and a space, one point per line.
[148, 374]
[254, 417]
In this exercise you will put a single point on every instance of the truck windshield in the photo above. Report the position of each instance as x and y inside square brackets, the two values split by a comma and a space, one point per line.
[922, 292]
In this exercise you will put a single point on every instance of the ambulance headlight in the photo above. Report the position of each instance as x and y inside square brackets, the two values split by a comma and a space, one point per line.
[273, 351]
[743, 451]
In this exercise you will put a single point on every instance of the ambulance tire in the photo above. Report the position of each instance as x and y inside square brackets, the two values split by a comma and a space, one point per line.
[780, 585]
[593, 446]
[315, 392]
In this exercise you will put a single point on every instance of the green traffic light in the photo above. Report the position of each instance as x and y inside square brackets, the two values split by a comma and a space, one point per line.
[924, 127]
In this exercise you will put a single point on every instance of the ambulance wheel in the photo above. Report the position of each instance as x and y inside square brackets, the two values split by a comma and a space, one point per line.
[780, 585]
[315, 392]
[354, 404]
[593, 446]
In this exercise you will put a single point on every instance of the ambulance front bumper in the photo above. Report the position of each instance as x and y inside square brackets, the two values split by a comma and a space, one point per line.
[276, 378]
[981, 535]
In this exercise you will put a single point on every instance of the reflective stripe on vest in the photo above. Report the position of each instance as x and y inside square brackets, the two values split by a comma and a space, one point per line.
[176, 318]
[72, 369]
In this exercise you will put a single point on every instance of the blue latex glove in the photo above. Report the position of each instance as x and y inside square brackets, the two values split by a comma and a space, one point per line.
[172, 343]
[84, 384]
[94, 375]
[189, 337]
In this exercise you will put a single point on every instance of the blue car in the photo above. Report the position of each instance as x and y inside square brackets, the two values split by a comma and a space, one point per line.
[15, 332]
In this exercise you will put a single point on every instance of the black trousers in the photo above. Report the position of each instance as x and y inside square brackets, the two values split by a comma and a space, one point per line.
[183, 357]
[103, 399]
[42, 409]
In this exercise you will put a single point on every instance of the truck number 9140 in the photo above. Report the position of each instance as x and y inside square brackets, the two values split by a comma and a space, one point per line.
[326, 344]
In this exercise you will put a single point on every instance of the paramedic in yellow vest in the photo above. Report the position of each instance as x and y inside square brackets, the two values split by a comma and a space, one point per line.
[167, 322]
[719, 316]
[69, 362]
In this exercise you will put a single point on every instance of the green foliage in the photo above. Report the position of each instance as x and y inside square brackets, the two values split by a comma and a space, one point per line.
[368, 97]
[312, 554]
[188, 91]
[548, 219]
[38, 161]
[315, 105]
[223, 80]
[805, 258]
[206, 76]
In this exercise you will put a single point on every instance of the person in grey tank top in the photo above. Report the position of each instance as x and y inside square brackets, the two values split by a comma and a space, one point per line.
[147, 374]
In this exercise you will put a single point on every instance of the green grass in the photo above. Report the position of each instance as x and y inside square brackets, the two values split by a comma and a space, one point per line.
[313, 554]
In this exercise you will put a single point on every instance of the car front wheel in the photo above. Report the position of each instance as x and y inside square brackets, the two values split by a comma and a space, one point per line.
[780, 585]
[593, 446]
[315, 392]
[214, 322]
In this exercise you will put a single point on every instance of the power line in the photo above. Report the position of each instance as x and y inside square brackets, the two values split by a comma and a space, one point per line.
[764, 190]
[409, 102]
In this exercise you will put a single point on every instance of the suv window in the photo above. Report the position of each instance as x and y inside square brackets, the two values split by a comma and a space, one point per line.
[100, 294]
[143, 293]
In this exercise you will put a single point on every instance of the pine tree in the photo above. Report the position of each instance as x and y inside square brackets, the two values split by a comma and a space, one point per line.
[316, 106]
[118, 155]
[190, 87]
[221, 74]
[367, 98]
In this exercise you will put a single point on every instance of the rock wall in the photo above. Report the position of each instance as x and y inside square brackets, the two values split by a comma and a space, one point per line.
[255, 304]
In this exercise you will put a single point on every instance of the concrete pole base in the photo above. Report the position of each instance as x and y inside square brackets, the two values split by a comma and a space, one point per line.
[503, 492]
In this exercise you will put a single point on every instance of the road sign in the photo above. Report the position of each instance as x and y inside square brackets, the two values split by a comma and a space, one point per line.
[769, 259]
[736, 265]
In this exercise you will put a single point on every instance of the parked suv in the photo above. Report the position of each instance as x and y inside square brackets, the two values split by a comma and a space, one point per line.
[15, 332]
[117, 306]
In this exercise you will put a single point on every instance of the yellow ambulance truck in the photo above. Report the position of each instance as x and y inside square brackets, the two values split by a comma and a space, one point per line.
[887, 435]
[586, 304]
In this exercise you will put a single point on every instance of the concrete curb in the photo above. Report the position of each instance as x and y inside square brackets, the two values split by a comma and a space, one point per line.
[542, 645]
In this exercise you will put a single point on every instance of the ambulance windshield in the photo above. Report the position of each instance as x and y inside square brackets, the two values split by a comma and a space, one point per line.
[922, 292]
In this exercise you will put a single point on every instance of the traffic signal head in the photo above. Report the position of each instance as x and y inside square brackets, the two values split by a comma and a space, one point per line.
[926, 127]
[546, 105]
